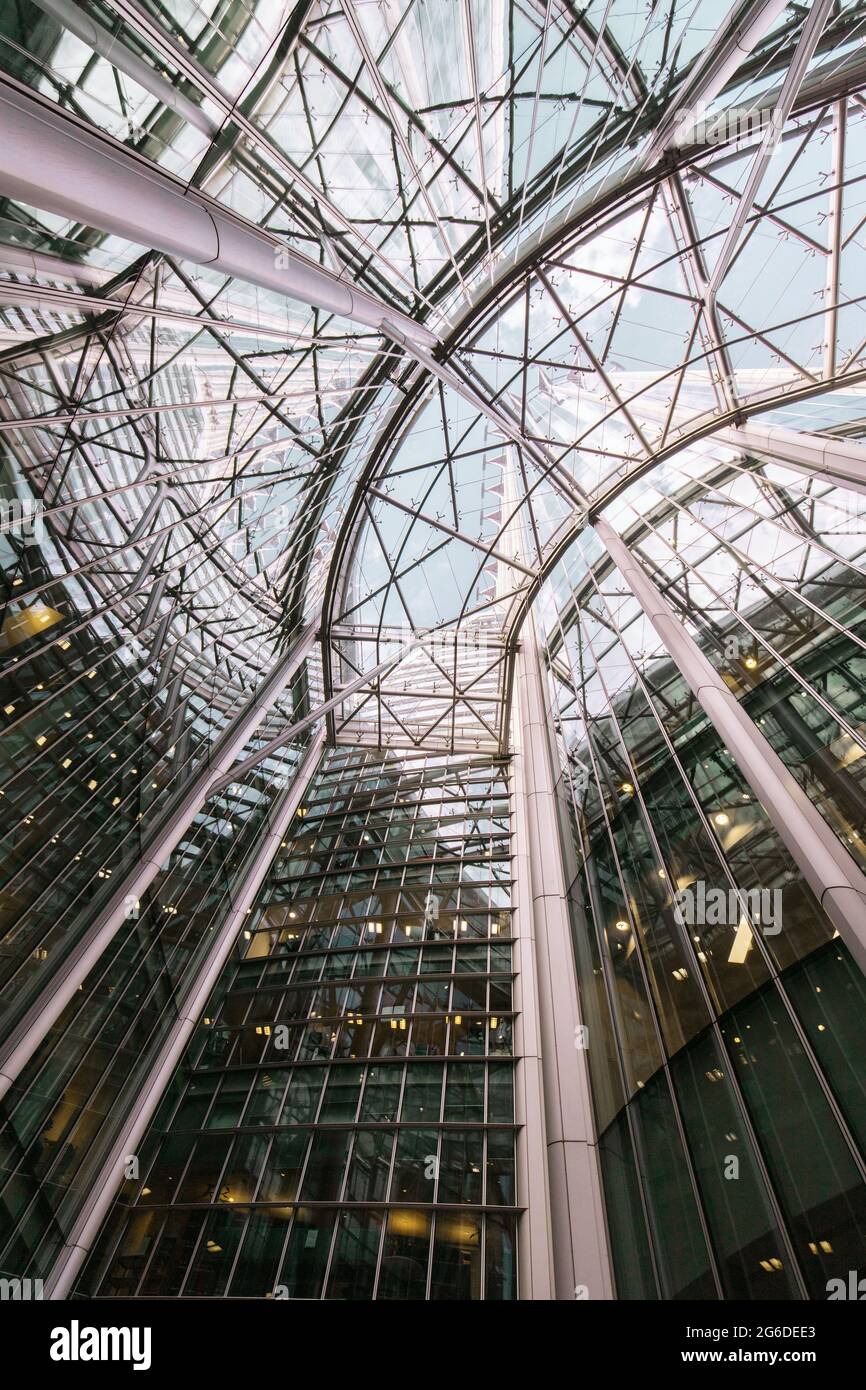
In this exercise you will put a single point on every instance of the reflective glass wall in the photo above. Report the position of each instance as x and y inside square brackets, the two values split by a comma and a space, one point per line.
[104, 730]
[727, 1020]
[342, 1126]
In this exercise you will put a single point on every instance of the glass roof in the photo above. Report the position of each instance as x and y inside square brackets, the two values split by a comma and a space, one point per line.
[624, 228]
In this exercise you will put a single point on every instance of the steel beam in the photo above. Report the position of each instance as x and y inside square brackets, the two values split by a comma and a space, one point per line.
[738, 35]
[806, 45]
[280, 740]
[115, 52]
[841, 461]
[51, 160]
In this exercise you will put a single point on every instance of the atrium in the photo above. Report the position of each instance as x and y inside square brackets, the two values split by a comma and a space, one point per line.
[433, 649]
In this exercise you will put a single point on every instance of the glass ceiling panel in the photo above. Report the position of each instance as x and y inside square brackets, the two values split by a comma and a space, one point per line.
[225, 458]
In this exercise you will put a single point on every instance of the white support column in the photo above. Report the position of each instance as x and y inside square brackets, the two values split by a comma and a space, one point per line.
[51, 160]
[535, 1237]
[831, 873]
[115, 51]
[580, 1249]
[105, 1184]
[835, 228]
[841, 461]
[69, 975]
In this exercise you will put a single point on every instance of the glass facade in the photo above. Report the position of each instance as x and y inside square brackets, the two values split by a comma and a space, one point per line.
[66, 847]
[343, 1123]
[730, 1103]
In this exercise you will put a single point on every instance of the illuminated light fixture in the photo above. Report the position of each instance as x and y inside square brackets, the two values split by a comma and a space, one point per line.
[662, 873]
[822, 1028]
[742, 943]
[115, 801]
[627, 788]
[621, 925]
[722, 818]
[751, 662]
[494, 1023]
[680, 973]
[146, 1191]
[64, 646]
[8, 709]
[43, 738]
[18, 627]
[93, 784]
[293, 915]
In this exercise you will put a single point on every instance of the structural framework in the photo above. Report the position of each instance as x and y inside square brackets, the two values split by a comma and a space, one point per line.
[433, 648]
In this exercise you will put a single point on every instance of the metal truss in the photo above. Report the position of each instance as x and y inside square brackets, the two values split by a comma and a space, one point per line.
[579, 254]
